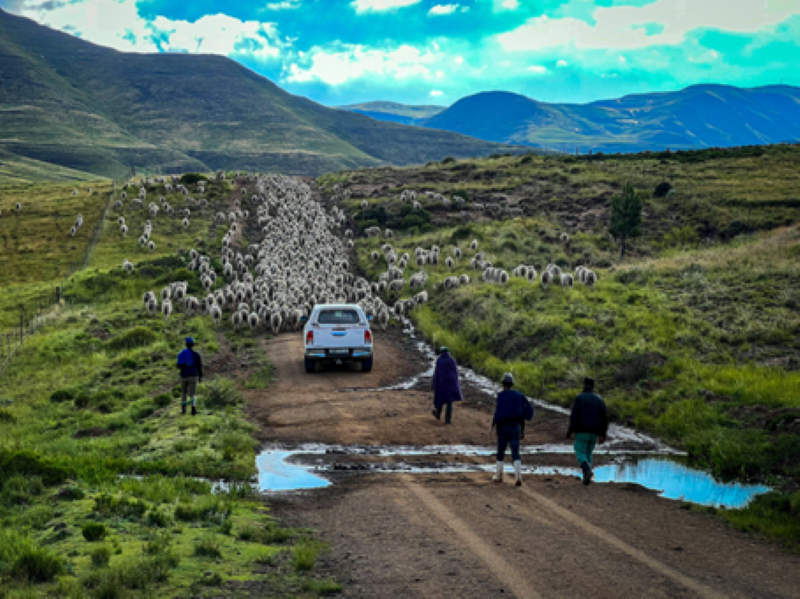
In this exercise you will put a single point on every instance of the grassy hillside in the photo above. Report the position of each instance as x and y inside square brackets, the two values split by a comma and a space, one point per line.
[695, 338]
[70, 103]
[714, 195]
[695, 117]
[395, 112]
[93, 442]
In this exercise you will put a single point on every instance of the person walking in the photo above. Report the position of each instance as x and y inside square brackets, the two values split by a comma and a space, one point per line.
[510, 414]
[445, 385]
[191, 367]
[589, 422]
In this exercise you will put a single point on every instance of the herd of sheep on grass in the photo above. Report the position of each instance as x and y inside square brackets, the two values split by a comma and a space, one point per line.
[300, 259]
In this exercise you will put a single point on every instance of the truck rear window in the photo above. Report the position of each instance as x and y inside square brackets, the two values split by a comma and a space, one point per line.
[338, 317]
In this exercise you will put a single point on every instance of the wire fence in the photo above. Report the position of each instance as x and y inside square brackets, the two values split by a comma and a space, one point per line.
[34, 312]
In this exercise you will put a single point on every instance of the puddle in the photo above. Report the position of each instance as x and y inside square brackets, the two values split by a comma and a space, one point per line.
[670, 479]
[677, 481]
[276, 473]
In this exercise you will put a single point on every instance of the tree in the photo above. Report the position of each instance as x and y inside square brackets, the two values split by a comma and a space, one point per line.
[626, 217]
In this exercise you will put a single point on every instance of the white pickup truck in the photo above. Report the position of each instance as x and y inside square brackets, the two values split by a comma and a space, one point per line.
[337, 333]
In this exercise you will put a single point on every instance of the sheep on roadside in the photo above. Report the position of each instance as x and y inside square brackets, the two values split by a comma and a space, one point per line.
[166, 309]
[253, 321]
[567, 281]
[216, 314]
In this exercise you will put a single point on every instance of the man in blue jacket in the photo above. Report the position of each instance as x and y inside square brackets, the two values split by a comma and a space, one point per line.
[589, 422]
[510, 414]
[191, 366]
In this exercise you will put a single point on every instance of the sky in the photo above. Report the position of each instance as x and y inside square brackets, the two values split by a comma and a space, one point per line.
[436, 51]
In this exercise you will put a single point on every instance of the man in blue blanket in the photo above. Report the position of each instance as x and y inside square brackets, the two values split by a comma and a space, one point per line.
[445, 385]
[191, 366]
[512, 410]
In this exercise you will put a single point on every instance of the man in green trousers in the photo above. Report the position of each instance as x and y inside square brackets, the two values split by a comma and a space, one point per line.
[589, 423]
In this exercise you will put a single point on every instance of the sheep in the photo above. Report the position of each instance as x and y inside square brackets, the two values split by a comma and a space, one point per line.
[449, 263]
[389, 234]
[236, 320]
[564, 238]
[166, 309]
[383, 319]
[515, 212]
[123, 230]
[185, 223]
[590, 278]
[216, 314]
[127, 266]
[275, 322]
[364, 204]
[18, 207]
[567, 280]
[464, 280]
[151, 246]
[457, 252]
[72, 231]
[547, 278]
[253, 321]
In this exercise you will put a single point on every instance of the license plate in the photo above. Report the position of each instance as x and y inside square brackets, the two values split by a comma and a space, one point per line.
[338, 352]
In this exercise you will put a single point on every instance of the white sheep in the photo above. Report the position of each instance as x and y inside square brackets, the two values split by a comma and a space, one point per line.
[166, 309]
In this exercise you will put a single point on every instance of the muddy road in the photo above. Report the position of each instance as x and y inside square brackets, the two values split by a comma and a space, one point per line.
[459, 535]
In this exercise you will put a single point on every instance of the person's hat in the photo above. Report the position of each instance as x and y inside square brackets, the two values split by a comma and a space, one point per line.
[508, 379]
[588, 383]
[444, 350]
[189, 341]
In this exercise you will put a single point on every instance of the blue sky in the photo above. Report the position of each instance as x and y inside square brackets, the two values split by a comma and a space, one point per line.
[437, 51]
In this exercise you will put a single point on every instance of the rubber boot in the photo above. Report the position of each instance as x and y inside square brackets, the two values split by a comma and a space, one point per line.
[183, 407]
[518, 472]
[194, 408]
[498, 477]
[587, 473]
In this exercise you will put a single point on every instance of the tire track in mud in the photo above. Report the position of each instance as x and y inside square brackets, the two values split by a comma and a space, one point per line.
[519, 584]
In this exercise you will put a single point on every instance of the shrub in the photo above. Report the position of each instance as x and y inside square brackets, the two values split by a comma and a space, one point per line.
[448, 160]
[221, 393]
[207, 547]
[305, 555]
[71, 493]
[157, 518]
[28, 463]
[204, 507]
[129, 364]
[101, 556]
[36, 564]
[193, 178]
[94, 531]
[132, 338]
[119, 506]
[83, 401]
[62, 395]
[662, 190]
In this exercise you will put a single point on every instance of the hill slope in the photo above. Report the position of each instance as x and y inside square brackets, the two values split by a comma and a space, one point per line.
[92, 109]
[395, 112]
[696, 117]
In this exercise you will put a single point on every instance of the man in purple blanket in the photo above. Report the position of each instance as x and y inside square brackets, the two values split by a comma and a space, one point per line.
[446, 388]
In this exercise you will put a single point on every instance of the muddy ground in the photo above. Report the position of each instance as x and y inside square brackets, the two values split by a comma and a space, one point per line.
[460, 535]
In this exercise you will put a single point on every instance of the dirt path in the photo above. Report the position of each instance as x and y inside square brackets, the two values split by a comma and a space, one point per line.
[459, 535]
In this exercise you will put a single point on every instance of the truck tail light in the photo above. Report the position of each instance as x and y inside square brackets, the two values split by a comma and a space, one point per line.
[310, 338]
[367, 337]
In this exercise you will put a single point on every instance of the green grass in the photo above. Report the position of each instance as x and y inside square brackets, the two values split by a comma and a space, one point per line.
[98, 365]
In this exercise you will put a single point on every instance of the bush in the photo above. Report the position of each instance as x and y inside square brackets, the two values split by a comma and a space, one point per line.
[193, 178]
[448, 160]
[94, 531]
[157, 518]
[207, 547]
[132, 338]
[119, 506]
[662, 190]
[221, 393]
[21, 560]
[71, 493]
[305, 555]
[204, 507]
[101, 556]
[62, 395]
[28, 463]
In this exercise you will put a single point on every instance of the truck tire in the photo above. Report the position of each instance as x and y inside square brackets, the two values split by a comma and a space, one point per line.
[366, 365]
[311, 366]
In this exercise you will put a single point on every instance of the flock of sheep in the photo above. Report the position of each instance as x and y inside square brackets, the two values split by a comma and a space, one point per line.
[299, 258]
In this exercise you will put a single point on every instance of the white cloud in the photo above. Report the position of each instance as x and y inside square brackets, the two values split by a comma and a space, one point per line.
[506, 4]
[117, 24]
[621, 27]
[538, 70]
[285, 5]
[443, 9]
[562, 63]
[381, 5]
[340, 66]
[436, 93]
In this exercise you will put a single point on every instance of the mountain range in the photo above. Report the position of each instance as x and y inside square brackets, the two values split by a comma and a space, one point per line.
[696, 117]
[75, 105]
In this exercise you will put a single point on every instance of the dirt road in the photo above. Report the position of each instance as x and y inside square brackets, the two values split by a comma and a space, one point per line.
[458, 535]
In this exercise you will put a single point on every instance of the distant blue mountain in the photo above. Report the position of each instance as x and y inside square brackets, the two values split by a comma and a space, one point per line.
[695, 117]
